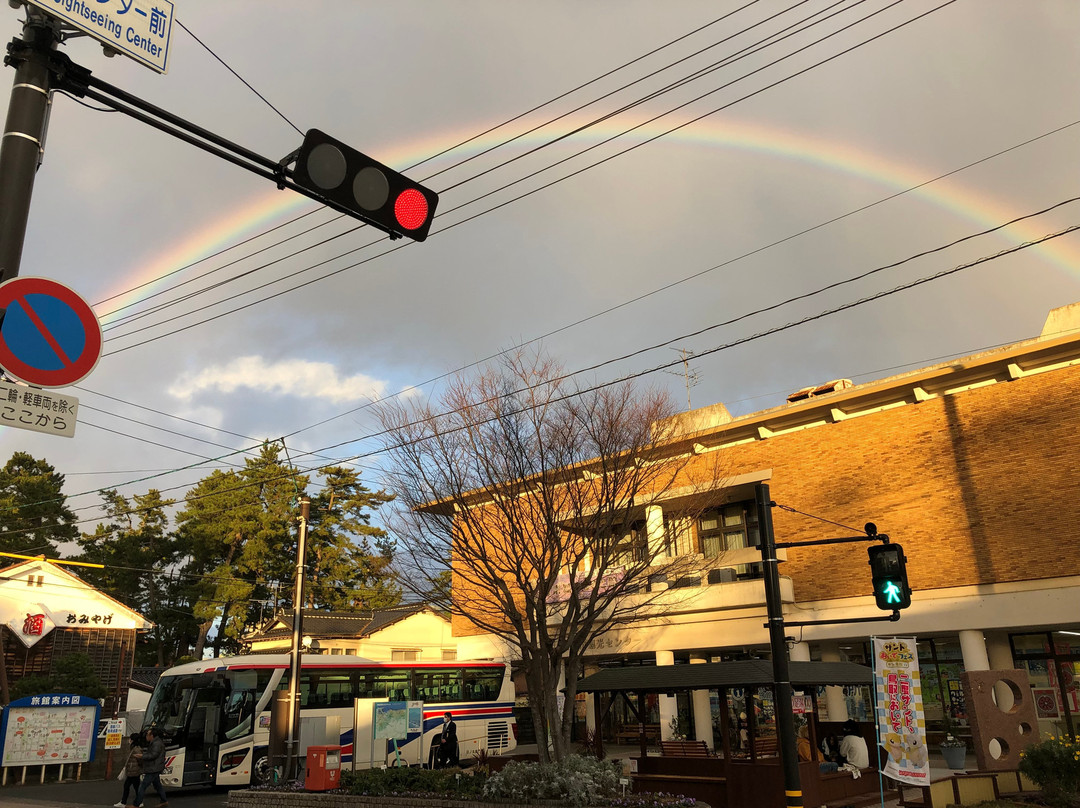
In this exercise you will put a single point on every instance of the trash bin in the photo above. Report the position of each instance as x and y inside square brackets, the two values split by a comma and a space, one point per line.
[323, 768]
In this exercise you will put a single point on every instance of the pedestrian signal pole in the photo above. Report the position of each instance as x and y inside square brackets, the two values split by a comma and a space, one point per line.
[785, 719]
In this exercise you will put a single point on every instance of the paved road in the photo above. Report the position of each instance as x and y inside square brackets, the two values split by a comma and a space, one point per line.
[100, 793]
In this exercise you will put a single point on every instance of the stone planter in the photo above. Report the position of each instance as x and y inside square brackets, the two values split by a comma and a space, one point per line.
[954, 756]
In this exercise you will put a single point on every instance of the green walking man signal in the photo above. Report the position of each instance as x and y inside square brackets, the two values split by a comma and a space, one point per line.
[889, 572]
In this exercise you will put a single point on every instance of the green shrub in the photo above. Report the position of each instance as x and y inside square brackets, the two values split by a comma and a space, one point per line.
[575, 781]
[1054, 766]
[451, 783]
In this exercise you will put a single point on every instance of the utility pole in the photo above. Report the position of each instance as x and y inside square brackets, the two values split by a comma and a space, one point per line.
[24, 133]
[785, 720]
[293, 743]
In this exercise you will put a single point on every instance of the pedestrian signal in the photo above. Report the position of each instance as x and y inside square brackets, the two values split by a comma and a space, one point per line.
[889, 573]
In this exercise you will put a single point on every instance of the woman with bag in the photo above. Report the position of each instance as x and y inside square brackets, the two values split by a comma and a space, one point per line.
[132, 770]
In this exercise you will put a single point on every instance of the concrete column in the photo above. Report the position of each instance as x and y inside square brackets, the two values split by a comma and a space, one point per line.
[654, 530]
[834, 694]
[590, 715]
[667, 703]
[800, 652]
[973, 650]
[703, 730]
[1000, 655]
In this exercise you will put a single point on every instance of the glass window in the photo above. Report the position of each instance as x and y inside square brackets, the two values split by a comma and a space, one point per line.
[632, 547]
[730, 527]
[405, 655]
[391, 683]
[435, 684]
[481, 684]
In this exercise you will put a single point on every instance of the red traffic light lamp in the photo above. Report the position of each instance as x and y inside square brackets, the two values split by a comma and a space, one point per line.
[363, 187]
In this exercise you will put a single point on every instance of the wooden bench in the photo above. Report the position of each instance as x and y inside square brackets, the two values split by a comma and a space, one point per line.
[685, 749]
[630, 733]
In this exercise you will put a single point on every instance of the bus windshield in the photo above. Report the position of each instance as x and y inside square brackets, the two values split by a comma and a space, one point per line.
[205, 704]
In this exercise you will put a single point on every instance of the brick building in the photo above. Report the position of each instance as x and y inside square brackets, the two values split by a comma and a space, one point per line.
[47, 612]
[968, 464]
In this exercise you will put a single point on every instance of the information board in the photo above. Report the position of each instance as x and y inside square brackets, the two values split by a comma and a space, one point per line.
[52, 728]
[114, 733]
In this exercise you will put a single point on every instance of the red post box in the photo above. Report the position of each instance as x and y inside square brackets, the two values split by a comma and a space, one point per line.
[323, 768]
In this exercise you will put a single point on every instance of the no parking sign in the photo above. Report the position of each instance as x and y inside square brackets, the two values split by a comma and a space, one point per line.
[49, 336]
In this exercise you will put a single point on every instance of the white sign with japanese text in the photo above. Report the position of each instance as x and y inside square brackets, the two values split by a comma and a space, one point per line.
[114, 733]
[35, 626]
[30, 408]
[141, 29]
[901, 723]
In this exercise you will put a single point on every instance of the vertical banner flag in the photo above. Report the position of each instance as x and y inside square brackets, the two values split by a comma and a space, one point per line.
[901, 725]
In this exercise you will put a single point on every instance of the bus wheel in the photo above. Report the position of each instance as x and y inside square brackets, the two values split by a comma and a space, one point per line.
[265, 774]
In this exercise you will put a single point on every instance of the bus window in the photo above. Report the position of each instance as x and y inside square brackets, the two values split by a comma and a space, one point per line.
[392, 684]
[481, 684]
[245, 688]
[435, 685]
[327, 689]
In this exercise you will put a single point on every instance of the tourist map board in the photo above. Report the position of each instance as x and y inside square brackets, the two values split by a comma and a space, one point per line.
[47, 729]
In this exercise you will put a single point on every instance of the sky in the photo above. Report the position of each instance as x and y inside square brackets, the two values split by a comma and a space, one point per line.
[617, 179]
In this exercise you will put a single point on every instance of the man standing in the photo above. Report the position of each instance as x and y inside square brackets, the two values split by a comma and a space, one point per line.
[448, 748]
[153, 763]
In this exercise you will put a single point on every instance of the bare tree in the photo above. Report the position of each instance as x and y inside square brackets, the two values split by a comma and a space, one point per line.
[534, 495]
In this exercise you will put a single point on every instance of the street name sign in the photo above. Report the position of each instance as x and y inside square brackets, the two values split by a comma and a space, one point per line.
[37, 410]
[141, 29]
[49, 337]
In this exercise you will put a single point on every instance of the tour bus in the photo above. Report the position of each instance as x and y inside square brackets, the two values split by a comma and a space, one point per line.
[214, 715]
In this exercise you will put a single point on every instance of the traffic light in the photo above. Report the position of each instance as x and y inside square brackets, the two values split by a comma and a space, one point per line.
[888, 570]
[364, 187]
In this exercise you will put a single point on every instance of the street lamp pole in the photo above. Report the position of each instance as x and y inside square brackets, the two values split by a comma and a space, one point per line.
[293, 742]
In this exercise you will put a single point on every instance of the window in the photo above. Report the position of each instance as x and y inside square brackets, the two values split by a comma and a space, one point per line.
[631, 547]
[449, 654]
[730, 527]
[435, 685]
[405, 655]
[482, 684]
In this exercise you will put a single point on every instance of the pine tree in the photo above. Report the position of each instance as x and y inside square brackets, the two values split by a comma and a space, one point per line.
[34, 516]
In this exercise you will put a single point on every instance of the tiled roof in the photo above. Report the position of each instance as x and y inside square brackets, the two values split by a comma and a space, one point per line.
[145, 678]
[334, 624]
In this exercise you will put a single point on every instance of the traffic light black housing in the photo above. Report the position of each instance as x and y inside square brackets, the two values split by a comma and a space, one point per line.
[888, 568]
[364, 187]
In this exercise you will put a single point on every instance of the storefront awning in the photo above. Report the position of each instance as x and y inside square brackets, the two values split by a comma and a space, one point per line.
[718, 675]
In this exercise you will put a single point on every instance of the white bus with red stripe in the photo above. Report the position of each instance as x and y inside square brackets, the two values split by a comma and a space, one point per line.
[215, 714]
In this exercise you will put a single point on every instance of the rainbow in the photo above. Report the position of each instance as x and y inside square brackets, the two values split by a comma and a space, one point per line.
[272, 206]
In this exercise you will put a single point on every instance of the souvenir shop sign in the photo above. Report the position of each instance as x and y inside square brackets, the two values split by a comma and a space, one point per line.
[50, 728]
[901, 723]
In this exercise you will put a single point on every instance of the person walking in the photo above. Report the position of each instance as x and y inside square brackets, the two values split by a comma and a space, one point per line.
[448, 743]
[132, 770]
[153, 763]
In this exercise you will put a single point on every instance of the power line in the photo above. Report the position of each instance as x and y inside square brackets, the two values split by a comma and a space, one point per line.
[450, 148]
[638, 374]
[506, 202]
[730, 60]
[241, 78]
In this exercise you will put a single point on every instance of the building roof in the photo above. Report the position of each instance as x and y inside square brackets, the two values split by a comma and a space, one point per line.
[716, 675]
[335, 624]
[74, 588]
[145, 678]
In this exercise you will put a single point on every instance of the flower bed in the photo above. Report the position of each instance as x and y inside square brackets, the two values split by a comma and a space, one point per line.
[576, 781]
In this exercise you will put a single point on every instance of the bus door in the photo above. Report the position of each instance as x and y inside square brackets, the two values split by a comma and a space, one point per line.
[204, 721]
